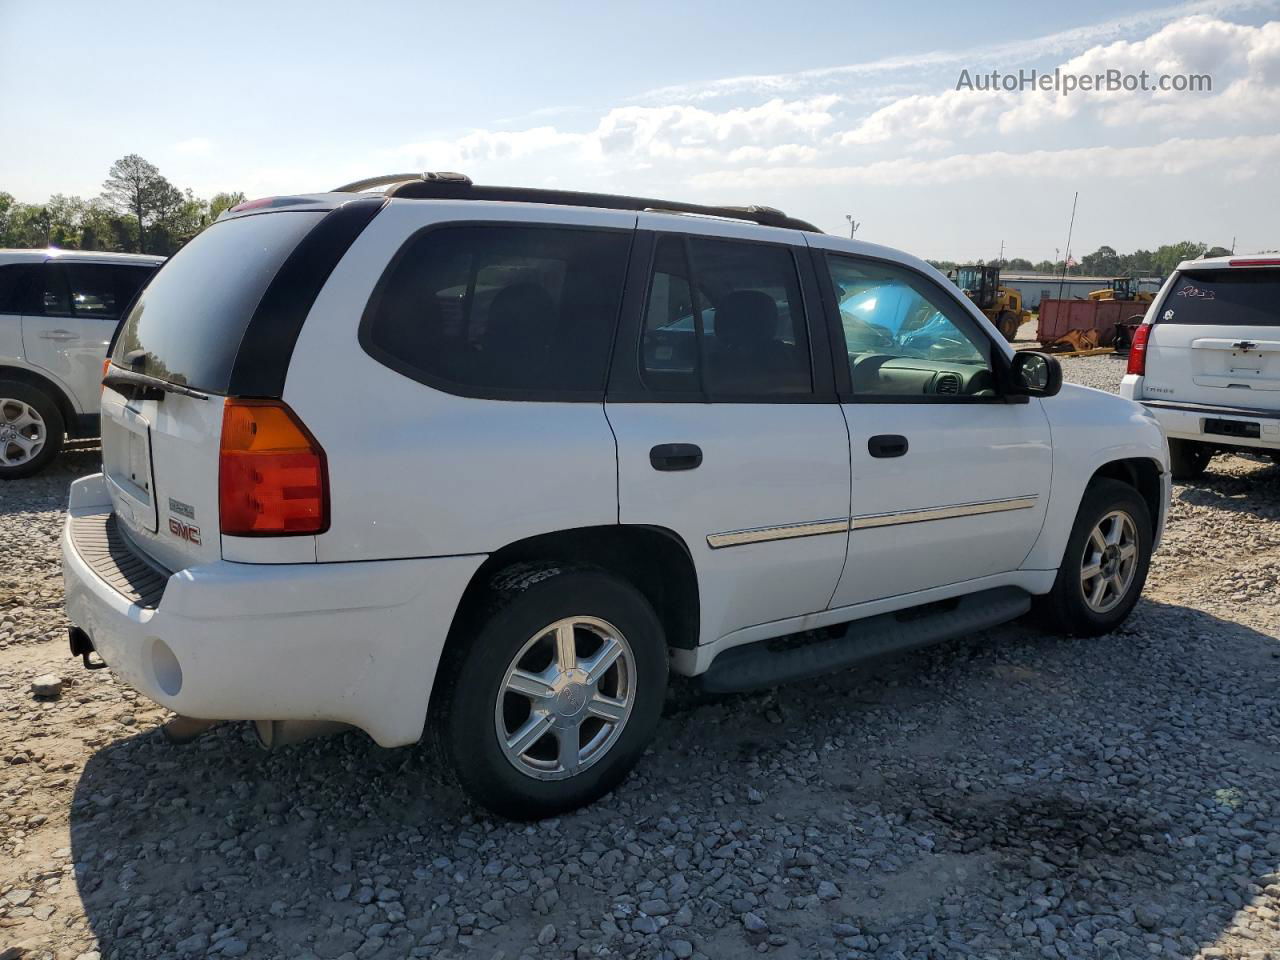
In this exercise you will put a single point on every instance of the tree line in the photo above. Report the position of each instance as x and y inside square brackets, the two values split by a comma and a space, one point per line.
[138, 211]
[1106, 262]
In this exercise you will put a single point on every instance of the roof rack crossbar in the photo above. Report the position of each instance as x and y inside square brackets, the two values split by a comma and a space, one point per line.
[457, 186]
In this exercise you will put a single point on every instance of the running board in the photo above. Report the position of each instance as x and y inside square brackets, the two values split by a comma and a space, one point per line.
[768, 663]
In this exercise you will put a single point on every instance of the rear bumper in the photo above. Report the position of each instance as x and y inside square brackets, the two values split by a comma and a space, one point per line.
[357, 643]
[1188, 422]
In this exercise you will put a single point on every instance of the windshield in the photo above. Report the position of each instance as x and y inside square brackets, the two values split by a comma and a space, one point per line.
[1248, 297]
[187, 325]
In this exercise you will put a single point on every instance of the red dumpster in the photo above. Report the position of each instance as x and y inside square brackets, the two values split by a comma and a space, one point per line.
[1059, 316]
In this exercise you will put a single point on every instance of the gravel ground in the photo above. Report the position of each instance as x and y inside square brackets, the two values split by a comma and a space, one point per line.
[1012, 794]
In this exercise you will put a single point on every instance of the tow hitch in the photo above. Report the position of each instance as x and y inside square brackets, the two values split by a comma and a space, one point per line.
[82, 646]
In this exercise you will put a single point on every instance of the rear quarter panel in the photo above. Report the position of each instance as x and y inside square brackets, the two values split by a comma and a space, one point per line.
[1090, 428]
[415, 471]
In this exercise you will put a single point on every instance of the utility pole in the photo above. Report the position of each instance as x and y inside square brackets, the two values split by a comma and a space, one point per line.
[1233, 246]
[1000, 259]
[1070, 228]
[853, 224]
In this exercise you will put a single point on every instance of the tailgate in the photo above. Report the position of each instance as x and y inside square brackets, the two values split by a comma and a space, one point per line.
[160, 460]
[161, 437]
[1216, 340]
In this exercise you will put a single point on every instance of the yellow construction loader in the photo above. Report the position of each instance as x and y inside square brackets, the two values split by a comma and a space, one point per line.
[1002, 305]
[1123, 288]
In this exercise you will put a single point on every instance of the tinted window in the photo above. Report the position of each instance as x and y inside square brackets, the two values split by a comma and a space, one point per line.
[190, 319]
[92, 289]
[502, 310]
[725, 319]
[1246, 297]
[17, 283]
[903, 337]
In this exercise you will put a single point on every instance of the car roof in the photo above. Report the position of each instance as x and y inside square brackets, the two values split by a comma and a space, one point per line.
[41, 255]
[1234, 261]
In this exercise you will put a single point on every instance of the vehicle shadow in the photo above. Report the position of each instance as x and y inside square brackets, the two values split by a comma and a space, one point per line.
[1135, 772]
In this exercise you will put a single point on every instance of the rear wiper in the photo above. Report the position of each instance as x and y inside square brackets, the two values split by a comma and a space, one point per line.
[147, 387]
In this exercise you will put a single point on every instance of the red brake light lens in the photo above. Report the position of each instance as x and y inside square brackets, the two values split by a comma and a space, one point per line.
[272, 476]
[1138, 350]
[1268, 262]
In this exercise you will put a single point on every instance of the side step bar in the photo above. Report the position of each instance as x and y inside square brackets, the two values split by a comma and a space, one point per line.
[767, 663]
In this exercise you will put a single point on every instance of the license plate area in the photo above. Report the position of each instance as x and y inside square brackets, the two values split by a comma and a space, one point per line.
[126, 462]
[1233, 428]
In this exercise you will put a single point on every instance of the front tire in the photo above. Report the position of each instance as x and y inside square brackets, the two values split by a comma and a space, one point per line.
[1008, 323]
[1188, 459]
[551, 700]
[31, 429]
[1105, 564]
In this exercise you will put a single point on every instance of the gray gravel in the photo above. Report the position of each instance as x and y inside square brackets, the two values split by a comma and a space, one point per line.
[1009, 795]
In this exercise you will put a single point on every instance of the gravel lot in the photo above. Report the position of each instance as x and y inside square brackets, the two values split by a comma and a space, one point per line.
[1013, 794]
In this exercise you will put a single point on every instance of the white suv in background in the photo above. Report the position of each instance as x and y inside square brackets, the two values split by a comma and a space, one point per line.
[1206, 360]
[503, 457]
[58, 311]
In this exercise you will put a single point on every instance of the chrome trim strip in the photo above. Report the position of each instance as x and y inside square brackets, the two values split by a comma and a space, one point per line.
[870, 520]
[815, 528]
[788, 531]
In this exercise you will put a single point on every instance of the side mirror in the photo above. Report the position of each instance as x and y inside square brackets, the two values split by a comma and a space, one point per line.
[1034, 374]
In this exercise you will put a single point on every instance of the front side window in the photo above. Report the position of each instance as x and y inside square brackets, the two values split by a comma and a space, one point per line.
[724, 319]
[903, 338]
[18, 283]
[502, 310]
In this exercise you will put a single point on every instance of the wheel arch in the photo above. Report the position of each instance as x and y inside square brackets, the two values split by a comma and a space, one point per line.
[1141, 473]
[55, 390]
[654, 560]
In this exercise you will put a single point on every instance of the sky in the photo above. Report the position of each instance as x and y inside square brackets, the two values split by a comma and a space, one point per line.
[824, 109]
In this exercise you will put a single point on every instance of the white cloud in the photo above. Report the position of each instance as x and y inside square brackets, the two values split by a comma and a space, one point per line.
[1233, 157]
[193, 147]
[997, 54]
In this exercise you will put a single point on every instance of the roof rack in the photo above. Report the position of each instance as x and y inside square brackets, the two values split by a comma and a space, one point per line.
[441, 185]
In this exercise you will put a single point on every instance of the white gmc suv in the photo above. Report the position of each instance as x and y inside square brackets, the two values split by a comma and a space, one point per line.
[1206, 360]
[499, 459]
[58, 311]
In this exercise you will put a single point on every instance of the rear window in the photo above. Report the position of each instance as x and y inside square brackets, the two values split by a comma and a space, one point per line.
[1243, 298]
[502, 311]
[191, 317]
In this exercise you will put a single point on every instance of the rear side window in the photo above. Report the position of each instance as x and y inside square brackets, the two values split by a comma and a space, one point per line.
[724, 319]
[1244, 298]
[99, 290]
[187, 325]
[503, 311]
[18, 283]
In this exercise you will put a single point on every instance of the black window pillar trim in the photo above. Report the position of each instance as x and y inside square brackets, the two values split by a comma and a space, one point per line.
[262, 360]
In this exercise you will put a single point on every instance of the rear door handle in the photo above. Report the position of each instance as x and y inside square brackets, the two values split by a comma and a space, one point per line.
[675, 456]
[887, 445]
[59, 335]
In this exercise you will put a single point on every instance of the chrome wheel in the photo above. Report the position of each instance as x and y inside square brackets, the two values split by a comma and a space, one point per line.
[22, 432]
[1110, 561]
[565, 698]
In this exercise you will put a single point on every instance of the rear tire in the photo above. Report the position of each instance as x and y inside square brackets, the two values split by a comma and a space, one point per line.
[1098, 583]
[1188, 459]
[31, 429]
[530, 721]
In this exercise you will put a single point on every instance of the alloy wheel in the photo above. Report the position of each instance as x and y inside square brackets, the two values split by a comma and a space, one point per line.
[1110, 561]
[22, 432]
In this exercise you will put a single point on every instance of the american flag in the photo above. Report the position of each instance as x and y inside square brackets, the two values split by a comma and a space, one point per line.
[1071, 262]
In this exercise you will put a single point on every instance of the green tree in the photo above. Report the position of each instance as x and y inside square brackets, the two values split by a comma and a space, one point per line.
[135, 187]
[1019, 265]
[1168, 257]
[1103, 262]
[222, 202]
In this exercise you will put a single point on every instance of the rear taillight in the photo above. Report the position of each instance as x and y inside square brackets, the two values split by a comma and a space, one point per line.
[272, 477]
[1138, 350]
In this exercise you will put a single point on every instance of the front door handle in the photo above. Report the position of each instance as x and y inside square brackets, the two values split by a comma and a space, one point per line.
[886, 445]
[675, 456]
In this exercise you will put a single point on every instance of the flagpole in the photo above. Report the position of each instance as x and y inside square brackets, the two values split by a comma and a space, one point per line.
[1071, 227]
